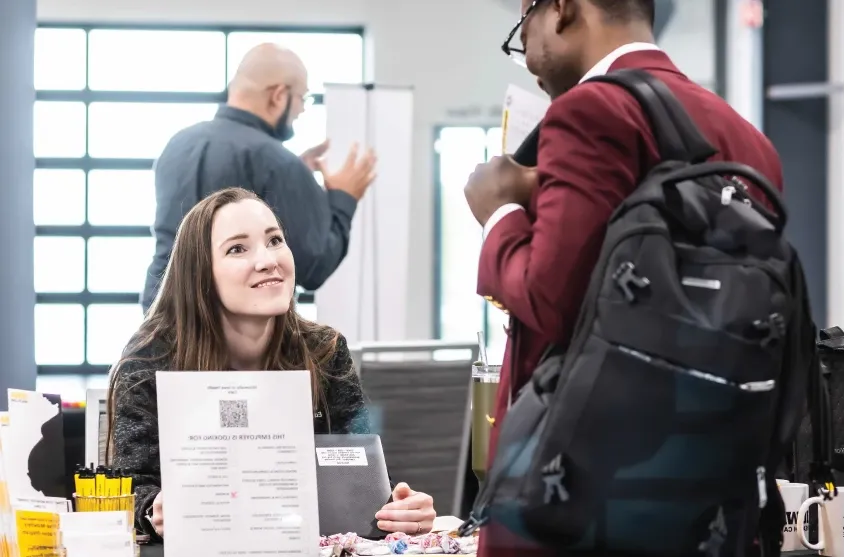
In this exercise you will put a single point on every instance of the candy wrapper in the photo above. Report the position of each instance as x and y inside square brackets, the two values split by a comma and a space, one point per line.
[347, 541]
[430, 543]
[399, 546]
[449, 545]
[398, 543]
[393, 537]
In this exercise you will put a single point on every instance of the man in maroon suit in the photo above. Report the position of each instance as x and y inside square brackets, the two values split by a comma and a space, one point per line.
[544, 227]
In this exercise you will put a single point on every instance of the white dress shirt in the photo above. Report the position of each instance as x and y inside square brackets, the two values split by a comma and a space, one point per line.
[600, 68]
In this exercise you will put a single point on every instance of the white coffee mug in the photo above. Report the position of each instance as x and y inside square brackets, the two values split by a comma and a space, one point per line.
[831, 531]
[793, 495]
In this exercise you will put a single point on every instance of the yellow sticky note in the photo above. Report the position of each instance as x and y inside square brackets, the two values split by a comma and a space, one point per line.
[4, 498]
[16, 395]
[38, 534]
[5, 514]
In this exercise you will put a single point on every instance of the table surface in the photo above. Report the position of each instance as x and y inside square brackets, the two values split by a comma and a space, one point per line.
[157, 551]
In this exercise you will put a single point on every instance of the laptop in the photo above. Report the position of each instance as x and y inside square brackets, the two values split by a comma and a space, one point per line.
[352, 483]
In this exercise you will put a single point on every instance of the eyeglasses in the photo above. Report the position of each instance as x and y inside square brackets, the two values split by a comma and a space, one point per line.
[518, 54]
[307, 98]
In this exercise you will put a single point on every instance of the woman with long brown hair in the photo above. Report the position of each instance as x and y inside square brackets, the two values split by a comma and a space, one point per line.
[226, 303]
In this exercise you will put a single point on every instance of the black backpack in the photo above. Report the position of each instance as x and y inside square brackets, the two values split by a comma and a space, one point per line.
[658, 430]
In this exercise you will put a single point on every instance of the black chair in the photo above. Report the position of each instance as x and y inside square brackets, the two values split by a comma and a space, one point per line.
[420, 408]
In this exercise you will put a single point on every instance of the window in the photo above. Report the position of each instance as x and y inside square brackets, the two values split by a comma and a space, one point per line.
[108, 99]
[49, 117]
[139, 130]
[121, 197]
[60, 59]
[156, 60]
[460, 312]
[59, 197]
[309, 129]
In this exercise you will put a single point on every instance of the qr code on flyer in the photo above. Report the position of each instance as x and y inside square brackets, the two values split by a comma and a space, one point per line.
[233, 413]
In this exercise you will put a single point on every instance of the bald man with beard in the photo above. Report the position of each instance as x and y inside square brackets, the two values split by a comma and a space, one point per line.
[242, 146]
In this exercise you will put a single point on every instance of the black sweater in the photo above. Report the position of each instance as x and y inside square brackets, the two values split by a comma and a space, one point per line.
[136, 439]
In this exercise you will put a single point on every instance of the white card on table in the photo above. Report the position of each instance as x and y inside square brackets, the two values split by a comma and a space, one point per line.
[237, 463]
[341, 456]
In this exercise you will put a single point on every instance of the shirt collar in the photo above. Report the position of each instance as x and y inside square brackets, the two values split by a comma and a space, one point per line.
[603, 65]
[244, 117]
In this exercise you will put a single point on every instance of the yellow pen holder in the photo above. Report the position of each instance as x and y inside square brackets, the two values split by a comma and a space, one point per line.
[91, 503]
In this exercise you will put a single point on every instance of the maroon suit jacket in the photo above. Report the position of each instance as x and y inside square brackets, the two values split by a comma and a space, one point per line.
[595, 145]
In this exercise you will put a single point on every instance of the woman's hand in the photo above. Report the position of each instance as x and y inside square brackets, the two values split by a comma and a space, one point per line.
[410, 512]
[157, 514]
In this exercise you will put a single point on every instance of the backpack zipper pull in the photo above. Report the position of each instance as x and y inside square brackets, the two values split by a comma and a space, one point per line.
[763, 491]
[626, 279]
[771, 329]
[736, 188]
[726, 195]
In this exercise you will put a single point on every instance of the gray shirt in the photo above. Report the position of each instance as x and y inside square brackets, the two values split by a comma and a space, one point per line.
[237, 148]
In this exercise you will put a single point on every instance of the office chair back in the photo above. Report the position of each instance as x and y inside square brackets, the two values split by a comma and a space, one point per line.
[420, 408]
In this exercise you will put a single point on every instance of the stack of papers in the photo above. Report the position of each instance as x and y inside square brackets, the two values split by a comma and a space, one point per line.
[523, 110]
[97, 534]
[31, 475]
[35, 518]
[36, 533]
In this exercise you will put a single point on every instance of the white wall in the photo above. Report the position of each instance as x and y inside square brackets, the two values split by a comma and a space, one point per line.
[744, 70]
[835, 181]
[689, 39]
[447, 49]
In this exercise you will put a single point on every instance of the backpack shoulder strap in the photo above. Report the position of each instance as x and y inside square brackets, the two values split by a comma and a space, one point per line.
[677, 136]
